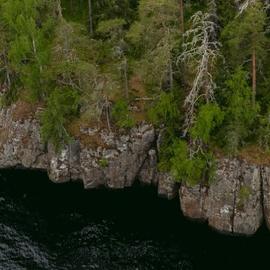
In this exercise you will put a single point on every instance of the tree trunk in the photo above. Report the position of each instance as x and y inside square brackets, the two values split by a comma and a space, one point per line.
[8, 79]
[71, 6]
[182, 29]
[254, 75]
[181, 8]
[126, 78]
[108, 114]
[171, 74]
[90, 13]
[59, 10]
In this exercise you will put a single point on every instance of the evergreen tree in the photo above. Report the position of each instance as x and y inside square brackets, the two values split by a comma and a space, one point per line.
[198, 69]
[160, 20]
[245, 39]
[240, 111]
[28, 32]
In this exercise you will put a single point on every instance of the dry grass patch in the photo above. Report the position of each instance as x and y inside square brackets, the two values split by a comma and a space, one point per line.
[75, 127]
[4, 134]
[255, 155]
[25, 110]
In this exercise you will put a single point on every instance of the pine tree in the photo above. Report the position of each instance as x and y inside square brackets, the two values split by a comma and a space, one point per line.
[240, 111]
[160, 20]
[245, 39]
[28, 32]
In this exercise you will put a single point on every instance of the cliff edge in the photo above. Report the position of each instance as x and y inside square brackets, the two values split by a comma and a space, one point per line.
[237, 201]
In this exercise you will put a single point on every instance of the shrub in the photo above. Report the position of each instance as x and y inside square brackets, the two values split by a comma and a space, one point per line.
[263, 132]
[165, 110]
[243, 194]
[121, 115]
[209, 117]
[190, 170]
[239, 113]
[103, 163]
[61, 106]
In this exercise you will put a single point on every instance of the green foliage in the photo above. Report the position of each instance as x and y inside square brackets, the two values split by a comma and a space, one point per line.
[244, 193]
[28, 51]
[165, 110]
[189, 170]
[245, 34]
[263, 131]
[103, 10]
[159, 19]
[121, 115]
[62, 105]
[53, 60]
[110, 26]
[176, 155]
[103, 163]
[240, 114]
[182, 167]
[226, 11]
[209, 118]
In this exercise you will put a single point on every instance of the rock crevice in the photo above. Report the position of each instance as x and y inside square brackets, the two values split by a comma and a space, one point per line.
[233, 203]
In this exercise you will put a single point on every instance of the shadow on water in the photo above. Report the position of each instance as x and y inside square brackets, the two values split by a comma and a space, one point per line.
[49, 226]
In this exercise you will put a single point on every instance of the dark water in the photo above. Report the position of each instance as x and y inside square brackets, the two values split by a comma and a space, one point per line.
[48, 226]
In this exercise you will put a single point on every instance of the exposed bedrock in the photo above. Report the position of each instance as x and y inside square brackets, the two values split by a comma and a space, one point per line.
[236, 202]
[117, 162]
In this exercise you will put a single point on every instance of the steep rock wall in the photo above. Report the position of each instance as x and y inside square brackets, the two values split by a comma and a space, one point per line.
[236, 202]
[117, 163]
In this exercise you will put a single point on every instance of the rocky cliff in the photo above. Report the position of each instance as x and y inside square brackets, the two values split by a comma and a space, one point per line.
[236, 202]
[117, 162]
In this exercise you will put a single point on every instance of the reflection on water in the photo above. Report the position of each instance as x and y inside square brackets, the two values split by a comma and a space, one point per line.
[49, 226]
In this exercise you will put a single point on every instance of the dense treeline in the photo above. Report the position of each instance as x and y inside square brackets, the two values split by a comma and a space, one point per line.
[199, 70]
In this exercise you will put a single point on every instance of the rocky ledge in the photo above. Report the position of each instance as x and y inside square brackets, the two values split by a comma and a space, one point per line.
[117, 162]
[236, 202]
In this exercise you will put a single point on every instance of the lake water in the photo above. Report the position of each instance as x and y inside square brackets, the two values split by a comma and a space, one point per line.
[49, 226]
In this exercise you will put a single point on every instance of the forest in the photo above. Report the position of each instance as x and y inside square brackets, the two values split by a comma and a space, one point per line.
[198, 70]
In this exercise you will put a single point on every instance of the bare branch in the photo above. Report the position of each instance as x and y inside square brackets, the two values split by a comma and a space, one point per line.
[242, 6]
[201, 50]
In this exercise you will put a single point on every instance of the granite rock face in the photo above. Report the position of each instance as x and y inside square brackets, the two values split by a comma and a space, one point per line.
[116, 163]
[20, 142]
[236, 202]
[265, 174]
[232, 203]
[149, 174]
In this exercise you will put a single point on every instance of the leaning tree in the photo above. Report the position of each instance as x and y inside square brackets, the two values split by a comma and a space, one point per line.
[200, 50]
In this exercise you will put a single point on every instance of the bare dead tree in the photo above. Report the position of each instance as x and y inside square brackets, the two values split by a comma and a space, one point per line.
[200, 50]
[120, 53]
[58, 11]
[243, 5]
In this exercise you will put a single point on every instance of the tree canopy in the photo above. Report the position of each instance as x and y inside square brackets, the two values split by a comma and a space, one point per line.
[198, 70]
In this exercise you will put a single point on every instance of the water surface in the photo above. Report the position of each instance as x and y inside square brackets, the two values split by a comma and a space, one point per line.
[49, 226]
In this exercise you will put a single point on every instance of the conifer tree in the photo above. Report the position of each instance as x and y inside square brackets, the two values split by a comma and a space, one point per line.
[28, 34]
[245, 39]
[160, 20]
[90, 12]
